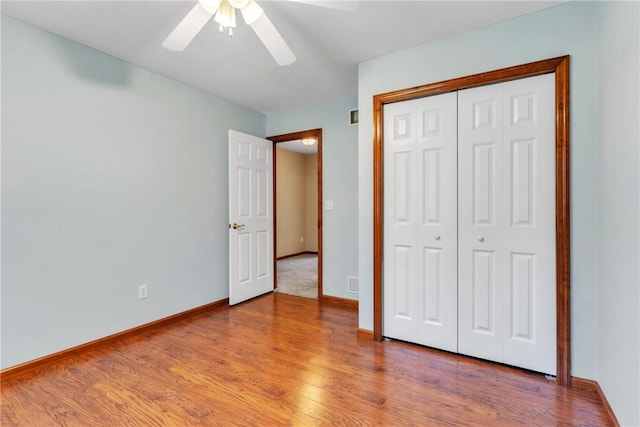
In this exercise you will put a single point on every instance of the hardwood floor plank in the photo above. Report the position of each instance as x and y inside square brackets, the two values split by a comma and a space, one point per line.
[283, 360]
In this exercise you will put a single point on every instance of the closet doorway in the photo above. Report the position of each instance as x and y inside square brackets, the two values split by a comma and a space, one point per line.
[297, 201]
[559, 66]
[474, 275]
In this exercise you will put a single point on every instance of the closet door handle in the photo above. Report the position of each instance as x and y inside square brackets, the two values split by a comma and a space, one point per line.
[436, 236]
[480, 238]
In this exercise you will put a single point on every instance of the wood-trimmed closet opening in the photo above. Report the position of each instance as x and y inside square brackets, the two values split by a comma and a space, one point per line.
[559, 66]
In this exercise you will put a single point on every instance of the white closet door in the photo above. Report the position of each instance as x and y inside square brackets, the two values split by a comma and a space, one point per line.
[420, 224]
[530, 240]
[480, 231]
[506, 198]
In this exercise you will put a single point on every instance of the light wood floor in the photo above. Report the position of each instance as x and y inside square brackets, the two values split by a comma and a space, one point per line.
[284, 360]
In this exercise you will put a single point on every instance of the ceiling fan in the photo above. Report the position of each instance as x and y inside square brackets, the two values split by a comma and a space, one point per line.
[225, 15]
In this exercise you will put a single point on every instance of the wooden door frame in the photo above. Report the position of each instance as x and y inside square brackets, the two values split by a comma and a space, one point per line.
[559, 66]
[317, 135]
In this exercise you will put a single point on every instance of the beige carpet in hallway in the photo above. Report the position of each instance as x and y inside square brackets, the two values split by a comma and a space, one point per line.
[298, 276]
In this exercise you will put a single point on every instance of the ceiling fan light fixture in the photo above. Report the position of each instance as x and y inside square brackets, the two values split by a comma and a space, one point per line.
[251, 12]
[210, 6]
[226, 15]
[309, 141]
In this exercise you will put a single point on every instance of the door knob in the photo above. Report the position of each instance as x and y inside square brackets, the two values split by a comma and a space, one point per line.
[236, 226]
[436, 236]
[480, 239]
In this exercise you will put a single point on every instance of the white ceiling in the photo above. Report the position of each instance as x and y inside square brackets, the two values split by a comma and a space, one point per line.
[328, 43]
[298, 147]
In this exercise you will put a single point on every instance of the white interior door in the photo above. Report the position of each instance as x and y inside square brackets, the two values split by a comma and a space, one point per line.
[250, 217]
[507, 246]
[420, 224]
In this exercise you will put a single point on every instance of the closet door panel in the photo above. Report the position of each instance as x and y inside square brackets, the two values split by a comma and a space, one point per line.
[530, 238]
[480, 215]
[507, 215]
[438, 234]
[401, 220]
[420, 225]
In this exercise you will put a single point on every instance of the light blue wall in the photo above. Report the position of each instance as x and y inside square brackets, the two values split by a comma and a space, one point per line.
[340, 184]
[619, 208]
[112, 177]
[566, 29]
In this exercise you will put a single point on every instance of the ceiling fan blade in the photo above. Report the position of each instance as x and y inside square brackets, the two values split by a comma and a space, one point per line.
[346, 5]
[187, 29]
[273, 41]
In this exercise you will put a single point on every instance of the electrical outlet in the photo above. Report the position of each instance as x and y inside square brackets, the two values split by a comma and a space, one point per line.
[142, 291]
[302, 239]
[353, 284]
